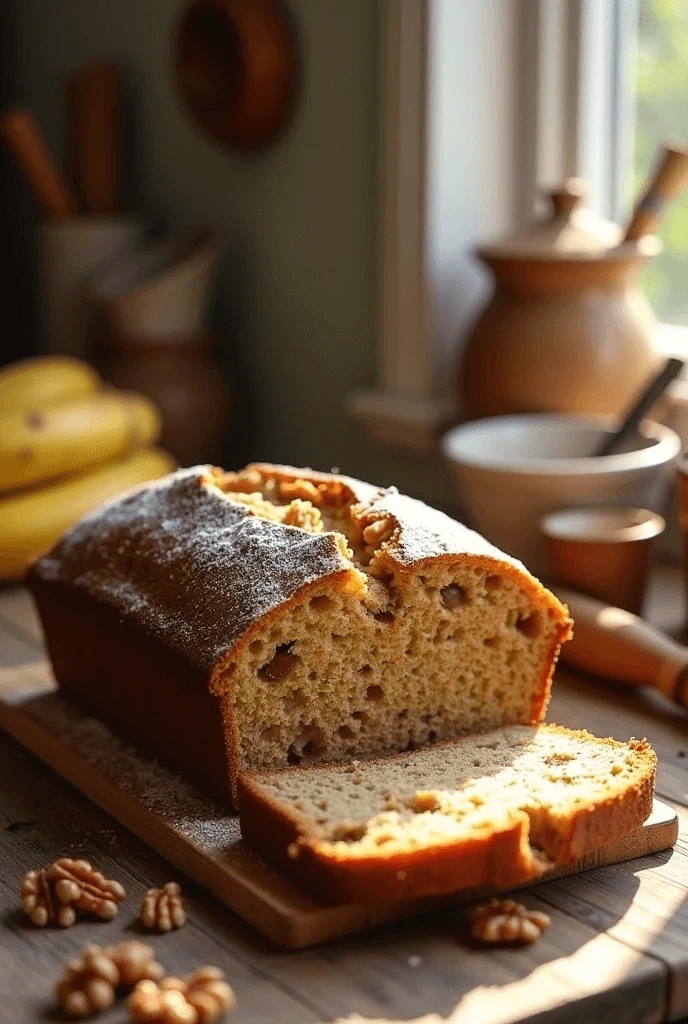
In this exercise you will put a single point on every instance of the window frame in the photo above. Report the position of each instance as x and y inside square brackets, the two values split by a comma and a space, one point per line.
[574, 111]
[403, 410]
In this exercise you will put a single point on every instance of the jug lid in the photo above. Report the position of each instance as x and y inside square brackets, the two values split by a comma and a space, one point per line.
[572, 232]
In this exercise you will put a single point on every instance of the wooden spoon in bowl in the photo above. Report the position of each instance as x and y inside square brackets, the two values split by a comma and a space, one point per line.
[641, 407]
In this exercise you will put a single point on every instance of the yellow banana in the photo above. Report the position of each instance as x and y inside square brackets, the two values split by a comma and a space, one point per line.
[54, 440]
[35, 383]
[33, 520]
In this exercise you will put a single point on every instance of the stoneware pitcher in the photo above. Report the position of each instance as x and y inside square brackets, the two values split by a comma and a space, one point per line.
[567, 329]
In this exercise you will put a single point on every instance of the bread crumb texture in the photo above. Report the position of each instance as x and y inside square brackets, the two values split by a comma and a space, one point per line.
[333, 618]
[392, 659]
[456, 792]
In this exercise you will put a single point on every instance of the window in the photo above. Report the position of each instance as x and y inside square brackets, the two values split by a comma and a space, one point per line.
[661, 112]
[547, 89]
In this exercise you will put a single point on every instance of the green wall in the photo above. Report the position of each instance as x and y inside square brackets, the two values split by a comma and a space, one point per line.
[297, 291]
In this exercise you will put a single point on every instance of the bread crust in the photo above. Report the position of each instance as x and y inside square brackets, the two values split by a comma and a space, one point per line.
[514, 852]
[112, 669]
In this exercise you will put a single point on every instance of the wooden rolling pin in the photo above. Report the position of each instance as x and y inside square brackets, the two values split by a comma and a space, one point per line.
[92, 107]
[616, 644]
[24, 138]
[667, 182]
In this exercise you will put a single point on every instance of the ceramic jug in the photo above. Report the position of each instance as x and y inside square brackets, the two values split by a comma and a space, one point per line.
[567, 328]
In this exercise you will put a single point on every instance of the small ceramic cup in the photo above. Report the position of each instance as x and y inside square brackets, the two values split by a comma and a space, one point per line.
[602, 551]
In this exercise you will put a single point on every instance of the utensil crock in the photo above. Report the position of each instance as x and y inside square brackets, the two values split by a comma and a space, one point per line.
[161, 292]
[73, 252]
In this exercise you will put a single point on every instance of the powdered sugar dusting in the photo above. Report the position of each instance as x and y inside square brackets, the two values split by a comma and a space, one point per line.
[196, 569]
[193, 568]
[426, 532]
[191, 815]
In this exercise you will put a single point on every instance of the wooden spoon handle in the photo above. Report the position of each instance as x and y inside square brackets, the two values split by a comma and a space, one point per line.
[23, 137]
[614, 643]
[668, 181]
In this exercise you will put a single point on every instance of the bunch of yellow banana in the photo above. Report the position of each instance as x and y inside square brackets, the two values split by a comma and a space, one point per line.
[66, 445]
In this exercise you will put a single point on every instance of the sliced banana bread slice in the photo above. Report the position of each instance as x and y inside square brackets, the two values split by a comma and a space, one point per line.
[494, 809]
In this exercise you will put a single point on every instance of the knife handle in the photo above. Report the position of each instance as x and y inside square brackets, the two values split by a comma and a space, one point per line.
[621, 646]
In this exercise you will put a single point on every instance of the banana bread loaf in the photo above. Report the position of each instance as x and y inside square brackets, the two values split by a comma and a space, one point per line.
[230, 621]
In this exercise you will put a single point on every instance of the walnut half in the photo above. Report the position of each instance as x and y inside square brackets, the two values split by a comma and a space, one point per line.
[89, 982]
[40, 903]
[77, 882]
[68, 887]
[506, 921]
[202, 998]
[163, 909]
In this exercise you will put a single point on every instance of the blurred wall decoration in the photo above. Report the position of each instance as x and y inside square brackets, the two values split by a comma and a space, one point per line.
[235, 66]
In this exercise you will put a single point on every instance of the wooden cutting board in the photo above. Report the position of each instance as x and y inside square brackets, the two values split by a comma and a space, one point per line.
[202, 839]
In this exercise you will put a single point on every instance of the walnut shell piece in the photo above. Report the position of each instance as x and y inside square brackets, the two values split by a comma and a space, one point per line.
[507, 921]
[77, 882]
[202, 998]
[163, 909]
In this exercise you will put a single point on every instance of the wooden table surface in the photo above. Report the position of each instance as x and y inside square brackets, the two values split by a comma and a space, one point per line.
[617, 949]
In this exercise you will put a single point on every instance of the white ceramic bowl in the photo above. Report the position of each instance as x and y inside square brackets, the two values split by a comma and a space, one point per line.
[512, 470]
[672, 409]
